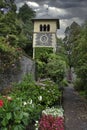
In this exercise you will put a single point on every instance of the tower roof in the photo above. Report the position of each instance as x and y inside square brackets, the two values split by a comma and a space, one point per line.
[46, 17]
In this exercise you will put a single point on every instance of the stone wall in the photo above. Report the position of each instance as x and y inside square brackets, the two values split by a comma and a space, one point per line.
[16, 74]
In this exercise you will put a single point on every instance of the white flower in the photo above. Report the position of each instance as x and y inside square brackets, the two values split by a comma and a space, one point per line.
[44, 112]
[36, 121]
[36, 128]
[30, 101]
[40, 98]
[36, 125]
[53, 111]
[24, 103]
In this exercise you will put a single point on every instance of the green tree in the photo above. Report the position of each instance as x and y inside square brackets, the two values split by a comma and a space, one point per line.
[26, 14]
[2, 4]
[56, 68]
[61, 50]
[9, 36]
[11, 4]
[80, 56]
[76, 46]
[71, 36]
[8, 4]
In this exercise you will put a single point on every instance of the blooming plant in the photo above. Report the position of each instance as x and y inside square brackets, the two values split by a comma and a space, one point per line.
[49, 122]
[52, 119]
[1, 103]
[54, 112]
[24, 104]
[13, 114]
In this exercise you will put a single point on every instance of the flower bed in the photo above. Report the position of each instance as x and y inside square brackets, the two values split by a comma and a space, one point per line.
[24, 104]
[51, 119]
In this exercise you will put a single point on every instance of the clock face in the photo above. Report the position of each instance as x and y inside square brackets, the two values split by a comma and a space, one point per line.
[44, 38]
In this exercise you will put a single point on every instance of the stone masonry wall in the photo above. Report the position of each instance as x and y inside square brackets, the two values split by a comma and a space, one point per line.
[23, 67]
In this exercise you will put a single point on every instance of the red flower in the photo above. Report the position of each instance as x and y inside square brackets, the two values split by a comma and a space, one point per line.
[1, 103]
[48, 122]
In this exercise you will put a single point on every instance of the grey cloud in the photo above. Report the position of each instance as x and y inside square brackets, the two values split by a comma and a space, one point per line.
[76, 7]
[61, 3]
[72, 9]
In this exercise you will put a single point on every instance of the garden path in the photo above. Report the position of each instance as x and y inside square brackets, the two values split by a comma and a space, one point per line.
[75, 110]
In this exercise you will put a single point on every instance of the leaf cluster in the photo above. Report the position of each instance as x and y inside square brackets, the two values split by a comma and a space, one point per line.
[26, 105]
[14, 34]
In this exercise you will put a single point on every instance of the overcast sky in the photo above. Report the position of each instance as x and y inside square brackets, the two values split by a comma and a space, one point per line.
[66, 10]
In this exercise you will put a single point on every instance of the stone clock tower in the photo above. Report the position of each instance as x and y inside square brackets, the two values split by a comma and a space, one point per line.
[44, 34]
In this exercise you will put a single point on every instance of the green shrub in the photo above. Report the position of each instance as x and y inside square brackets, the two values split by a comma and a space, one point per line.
[25, 103]
[41, 56]
[79, 84]
[64, 82]
[56, 68]
[83, 94]
[27, 88]
[42, 53]
[13, 114]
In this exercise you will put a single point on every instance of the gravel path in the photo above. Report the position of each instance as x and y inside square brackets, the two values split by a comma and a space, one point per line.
[75, 110]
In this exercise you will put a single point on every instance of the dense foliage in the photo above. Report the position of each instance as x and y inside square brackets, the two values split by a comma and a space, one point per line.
[24, 102]
[50, 65]
[9, 29]
[81, 65]
[14, 34]
[25, 15]
[76, 46]
[71, 35]
[56, 68]
[41, 56]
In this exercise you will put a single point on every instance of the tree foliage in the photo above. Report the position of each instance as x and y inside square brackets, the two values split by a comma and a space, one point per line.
[12, 35]
[41, 56]
[71, 35]
[80, 54]
[25, 15]
[50, 64]
[56, 68]
[76, 44]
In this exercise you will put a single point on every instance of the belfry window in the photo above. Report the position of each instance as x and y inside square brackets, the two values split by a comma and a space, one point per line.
[41, 27]
[48, 27]
[44, 27]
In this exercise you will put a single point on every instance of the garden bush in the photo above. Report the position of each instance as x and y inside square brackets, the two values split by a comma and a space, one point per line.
[41, 56]
[30, 89]
[56, 68]
[78, 84]
[25, 102]
[13, 114]
[81, 87]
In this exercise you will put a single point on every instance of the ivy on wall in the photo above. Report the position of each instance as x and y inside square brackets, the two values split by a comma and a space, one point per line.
[41, 56]
[42, 52]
